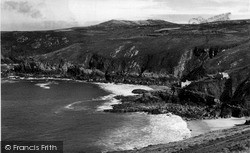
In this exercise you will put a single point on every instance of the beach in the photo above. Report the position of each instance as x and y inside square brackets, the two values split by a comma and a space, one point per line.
[198, 127]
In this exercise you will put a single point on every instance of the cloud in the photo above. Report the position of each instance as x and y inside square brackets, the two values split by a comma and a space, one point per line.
[204, 6]
[23, 8]
[244, 10]
[38, 25]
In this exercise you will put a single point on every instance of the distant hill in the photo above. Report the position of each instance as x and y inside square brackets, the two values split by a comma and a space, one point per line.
[117, 23]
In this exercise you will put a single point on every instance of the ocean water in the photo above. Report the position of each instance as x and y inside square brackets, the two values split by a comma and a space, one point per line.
[72, 112]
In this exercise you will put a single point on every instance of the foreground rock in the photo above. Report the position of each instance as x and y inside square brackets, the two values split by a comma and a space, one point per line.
[236, 139]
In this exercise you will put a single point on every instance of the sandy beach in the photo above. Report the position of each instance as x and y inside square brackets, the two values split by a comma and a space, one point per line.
[198, 127]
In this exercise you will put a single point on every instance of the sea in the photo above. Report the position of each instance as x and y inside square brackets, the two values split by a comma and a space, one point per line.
[72, 112]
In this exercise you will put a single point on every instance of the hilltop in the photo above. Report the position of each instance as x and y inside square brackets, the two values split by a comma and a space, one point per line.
[120, 23]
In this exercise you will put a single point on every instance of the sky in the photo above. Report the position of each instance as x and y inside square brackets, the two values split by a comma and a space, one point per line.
[20, 15]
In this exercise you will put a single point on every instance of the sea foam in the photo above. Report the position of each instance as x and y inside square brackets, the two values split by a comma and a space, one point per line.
[117, 89]
[159, 129]
[8, 81]
[76, 106]
[46, 85]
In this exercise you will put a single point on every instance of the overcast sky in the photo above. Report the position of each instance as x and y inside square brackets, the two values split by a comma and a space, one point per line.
[53, 14]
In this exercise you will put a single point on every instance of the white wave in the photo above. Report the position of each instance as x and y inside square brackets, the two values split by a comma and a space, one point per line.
[81, 81]
[47, 78]
[159, 129]
[110, 101]
[122, 89]
[76, 106]
[8, 81]
[38, 78]
[43, 85]
[46, 85]
[117, 89]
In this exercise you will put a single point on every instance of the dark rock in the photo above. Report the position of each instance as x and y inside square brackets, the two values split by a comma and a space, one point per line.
[247, 122]
[237, 112]
[155, 111]
[196, 97]
[204, 92]
[139, 91]
[195, 74]
[148, 98]
[212, 87]
[242, 93]
[227, 93]
[226, 112]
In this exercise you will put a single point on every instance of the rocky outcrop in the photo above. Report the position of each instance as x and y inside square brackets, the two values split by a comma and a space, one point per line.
[217, 94]
[227, 93]
[139, 91]
[196, 74]
[241, 99]
[242, 93]
[203, 92]
[159, 103]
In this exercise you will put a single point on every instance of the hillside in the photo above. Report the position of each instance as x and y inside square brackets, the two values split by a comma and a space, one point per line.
[139, 47]
[143, 52]
[127, 23]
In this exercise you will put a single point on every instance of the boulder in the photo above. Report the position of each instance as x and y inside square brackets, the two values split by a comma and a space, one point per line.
[139, 91]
